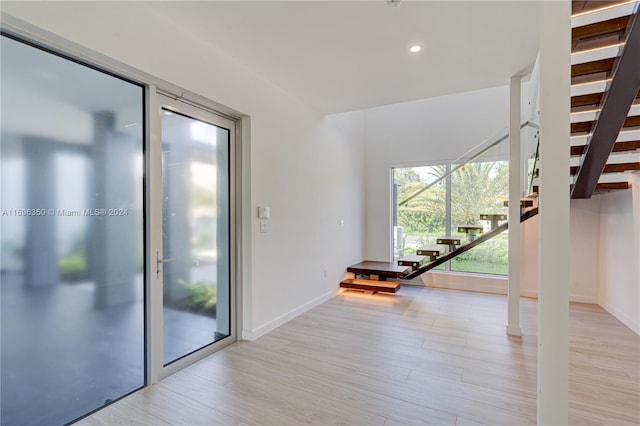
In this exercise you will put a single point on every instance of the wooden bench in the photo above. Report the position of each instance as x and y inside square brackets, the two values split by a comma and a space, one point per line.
[370, 285]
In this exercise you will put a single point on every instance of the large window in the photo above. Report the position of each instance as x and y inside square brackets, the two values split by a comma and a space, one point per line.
[436, 201]
[71, 264]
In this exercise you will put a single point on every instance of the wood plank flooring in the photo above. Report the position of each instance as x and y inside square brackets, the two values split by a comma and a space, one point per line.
[420, 357]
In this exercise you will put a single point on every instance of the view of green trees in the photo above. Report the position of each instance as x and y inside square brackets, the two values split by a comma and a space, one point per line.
[476, 188]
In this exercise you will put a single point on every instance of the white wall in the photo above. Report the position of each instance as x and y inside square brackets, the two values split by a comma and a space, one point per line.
[584, 264]
[436, 130]
[620, 254]
[584, 259]
[429, 131]
[307, 168]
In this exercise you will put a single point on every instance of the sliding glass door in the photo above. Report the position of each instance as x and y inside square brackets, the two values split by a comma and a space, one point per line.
[71, 235]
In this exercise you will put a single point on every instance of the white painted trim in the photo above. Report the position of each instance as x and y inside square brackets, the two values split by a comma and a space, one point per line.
[593, 300]
[282, 319]
[478, 283]
[578, 298]
[514, 331]
[553, 230]
[629, 322]
[515, 193]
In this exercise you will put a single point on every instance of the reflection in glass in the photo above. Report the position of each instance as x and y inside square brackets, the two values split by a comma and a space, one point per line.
[422, 220]
[480, 188]
[195, 158]
[71, 264]
[430, 202]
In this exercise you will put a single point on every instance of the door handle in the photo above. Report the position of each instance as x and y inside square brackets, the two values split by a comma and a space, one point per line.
[160, 261]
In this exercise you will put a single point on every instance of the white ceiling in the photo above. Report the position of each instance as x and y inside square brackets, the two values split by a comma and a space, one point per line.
[348, 55]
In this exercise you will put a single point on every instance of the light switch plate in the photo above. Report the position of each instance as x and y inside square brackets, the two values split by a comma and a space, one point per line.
[264, 212]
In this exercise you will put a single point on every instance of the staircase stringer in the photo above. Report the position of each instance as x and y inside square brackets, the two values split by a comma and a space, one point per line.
[481, 239]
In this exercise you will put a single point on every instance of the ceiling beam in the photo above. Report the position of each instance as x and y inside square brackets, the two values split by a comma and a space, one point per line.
[616, 104]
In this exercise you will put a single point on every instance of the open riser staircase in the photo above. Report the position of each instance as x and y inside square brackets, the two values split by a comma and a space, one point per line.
[605, 102]
[427, 258]
[605, 136]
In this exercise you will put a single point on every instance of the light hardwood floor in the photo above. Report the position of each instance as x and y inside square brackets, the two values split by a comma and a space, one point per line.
[423, 356]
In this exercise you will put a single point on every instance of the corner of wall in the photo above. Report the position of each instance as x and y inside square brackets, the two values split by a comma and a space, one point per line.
[253, 334]
[619, 254]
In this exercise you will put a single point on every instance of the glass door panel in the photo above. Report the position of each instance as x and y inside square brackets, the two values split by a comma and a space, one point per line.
[196, 234]
[71, 236]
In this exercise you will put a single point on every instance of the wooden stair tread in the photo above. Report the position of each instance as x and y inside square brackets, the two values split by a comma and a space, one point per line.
[585, 126]
[523, 203]
[583, 6]
[382, 269]
[470, 227]
[428, 251]
[448, 241]
[612, 186]
[590, 100]
[609, 186]
[593, 67]
[581, 35]
[632, 121]
[370, 285]
[467, 228]
[492, 216]
[618, 147]
[612, 168]
[412, 260]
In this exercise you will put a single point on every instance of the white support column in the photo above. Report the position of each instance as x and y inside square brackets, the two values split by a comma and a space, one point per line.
[553, 266]
[515, 185]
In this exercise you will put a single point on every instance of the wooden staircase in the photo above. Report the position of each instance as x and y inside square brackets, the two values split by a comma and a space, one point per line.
[372, 276]
[605, 134]
[605, 102]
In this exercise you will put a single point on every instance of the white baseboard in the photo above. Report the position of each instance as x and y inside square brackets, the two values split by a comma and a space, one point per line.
[583, 299]
[572, 297]
[466, 282]
[629, 322]
[514, 331]
[277, 322]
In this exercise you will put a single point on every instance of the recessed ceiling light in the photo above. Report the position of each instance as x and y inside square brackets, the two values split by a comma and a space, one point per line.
[415, 48]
